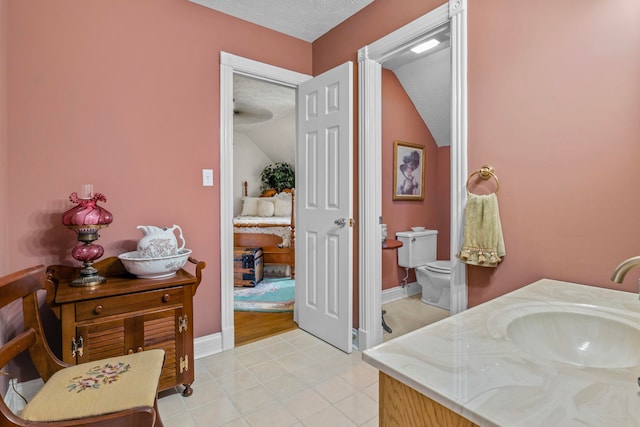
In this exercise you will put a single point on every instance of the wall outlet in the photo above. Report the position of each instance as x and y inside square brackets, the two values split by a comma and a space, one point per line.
[207, 177]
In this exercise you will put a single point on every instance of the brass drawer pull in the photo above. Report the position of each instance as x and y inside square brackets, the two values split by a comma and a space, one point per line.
[98, 309]
[166, 298]
[140, 349]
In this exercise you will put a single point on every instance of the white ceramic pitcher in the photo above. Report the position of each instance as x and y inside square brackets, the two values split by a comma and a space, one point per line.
[159, 242]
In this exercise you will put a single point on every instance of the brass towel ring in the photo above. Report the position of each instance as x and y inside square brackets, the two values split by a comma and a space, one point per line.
[485, 172]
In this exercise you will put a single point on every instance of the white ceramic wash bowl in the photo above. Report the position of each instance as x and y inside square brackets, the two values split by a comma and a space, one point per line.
[576, 334]
[417, 228]
[154, 268]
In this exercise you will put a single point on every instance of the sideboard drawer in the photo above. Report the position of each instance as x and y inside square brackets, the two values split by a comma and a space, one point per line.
[102, 307]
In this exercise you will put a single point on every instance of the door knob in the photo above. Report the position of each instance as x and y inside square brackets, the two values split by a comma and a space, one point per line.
[340, 222]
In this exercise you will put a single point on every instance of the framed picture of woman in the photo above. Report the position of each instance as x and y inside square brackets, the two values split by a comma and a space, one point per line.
[408, 171]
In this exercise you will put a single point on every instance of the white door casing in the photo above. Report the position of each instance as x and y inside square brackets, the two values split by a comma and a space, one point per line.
[230, 64]
[324, 204]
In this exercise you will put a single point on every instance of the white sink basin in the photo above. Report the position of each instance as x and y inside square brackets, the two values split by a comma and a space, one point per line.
[575, 334]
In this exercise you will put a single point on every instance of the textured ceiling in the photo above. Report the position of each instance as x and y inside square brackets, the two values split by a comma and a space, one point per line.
[303, 19]
[265, 113]
[258, 102]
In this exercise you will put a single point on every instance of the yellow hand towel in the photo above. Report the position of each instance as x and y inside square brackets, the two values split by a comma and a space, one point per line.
[483, 241]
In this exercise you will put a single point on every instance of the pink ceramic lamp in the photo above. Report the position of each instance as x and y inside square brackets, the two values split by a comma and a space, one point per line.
[86, 219]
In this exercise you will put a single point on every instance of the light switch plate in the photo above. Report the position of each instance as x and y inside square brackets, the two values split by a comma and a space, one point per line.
[207, 177]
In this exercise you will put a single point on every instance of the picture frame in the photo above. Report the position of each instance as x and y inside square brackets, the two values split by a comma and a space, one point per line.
[408, 171]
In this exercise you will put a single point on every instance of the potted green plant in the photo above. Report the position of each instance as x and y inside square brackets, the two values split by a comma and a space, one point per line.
[278, 176]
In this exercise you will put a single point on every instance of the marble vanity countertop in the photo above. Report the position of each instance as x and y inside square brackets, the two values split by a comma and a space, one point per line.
[468, 364]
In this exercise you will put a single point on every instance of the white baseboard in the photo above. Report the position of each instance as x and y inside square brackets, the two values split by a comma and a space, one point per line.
[399, 292]
[207, 345]
[354, 339]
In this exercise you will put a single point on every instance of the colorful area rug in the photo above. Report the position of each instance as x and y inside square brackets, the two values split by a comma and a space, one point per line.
[270, 295]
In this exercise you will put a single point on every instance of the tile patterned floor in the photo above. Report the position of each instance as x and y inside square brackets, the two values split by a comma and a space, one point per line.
[292, 379]
[408, 314]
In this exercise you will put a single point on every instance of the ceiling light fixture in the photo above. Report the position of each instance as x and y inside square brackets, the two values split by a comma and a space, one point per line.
[423, 47]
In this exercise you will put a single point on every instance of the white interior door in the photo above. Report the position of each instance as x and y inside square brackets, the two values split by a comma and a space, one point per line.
[324, 202]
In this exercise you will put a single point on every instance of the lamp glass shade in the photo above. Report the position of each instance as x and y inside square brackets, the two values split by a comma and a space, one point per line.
[87, 211]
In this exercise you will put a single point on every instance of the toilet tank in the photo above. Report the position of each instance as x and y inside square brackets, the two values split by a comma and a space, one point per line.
[418, 247]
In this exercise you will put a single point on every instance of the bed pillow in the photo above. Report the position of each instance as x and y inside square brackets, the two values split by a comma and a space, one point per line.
[282, 207]
[250, 206]
[283, 204]
[266, 207]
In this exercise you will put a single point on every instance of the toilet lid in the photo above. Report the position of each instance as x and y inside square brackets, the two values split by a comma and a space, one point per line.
[439, 266]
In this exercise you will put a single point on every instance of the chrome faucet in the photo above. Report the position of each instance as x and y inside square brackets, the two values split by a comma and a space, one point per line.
[622, 270]
[624, 267]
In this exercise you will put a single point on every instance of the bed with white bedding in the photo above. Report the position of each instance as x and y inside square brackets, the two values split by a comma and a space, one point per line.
[268, 222]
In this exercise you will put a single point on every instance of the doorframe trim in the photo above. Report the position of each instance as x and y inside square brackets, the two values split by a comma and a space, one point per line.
[230, 64]
[370, 58]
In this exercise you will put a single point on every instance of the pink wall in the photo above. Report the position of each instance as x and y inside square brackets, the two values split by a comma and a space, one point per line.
[4, 147]
[402, 122]
[4, 187]
[124, 95]
[554, 107]
[133, 87]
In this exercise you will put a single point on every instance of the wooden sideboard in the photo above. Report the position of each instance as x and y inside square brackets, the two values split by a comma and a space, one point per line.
[128, 314]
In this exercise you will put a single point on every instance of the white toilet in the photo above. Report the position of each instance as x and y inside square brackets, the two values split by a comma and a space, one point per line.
[418, 251]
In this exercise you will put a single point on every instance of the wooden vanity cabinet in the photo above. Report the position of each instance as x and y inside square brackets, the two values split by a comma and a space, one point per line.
[401, 405]
[128, 314]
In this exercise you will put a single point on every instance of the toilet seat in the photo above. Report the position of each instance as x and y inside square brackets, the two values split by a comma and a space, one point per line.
[442, 266]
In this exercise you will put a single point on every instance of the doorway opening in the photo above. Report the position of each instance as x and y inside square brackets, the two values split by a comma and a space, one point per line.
[417, 80]
[231, 65]
[264, 153]
[370, 163]
[324, 208]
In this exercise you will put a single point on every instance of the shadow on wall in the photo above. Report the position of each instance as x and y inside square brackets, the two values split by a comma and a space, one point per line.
[49, 238]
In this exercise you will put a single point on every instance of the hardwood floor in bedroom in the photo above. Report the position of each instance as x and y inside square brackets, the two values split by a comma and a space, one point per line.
[250, 326]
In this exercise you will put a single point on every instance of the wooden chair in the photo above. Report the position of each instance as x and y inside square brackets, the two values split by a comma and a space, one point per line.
[114, 392]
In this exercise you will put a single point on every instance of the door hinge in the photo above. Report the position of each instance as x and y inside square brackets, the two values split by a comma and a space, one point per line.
[183, 323]
[184, 363]
[77, 347]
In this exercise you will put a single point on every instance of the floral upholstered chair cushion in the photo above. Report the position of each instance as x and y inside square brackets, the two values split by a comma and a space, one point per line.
[98, 387]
